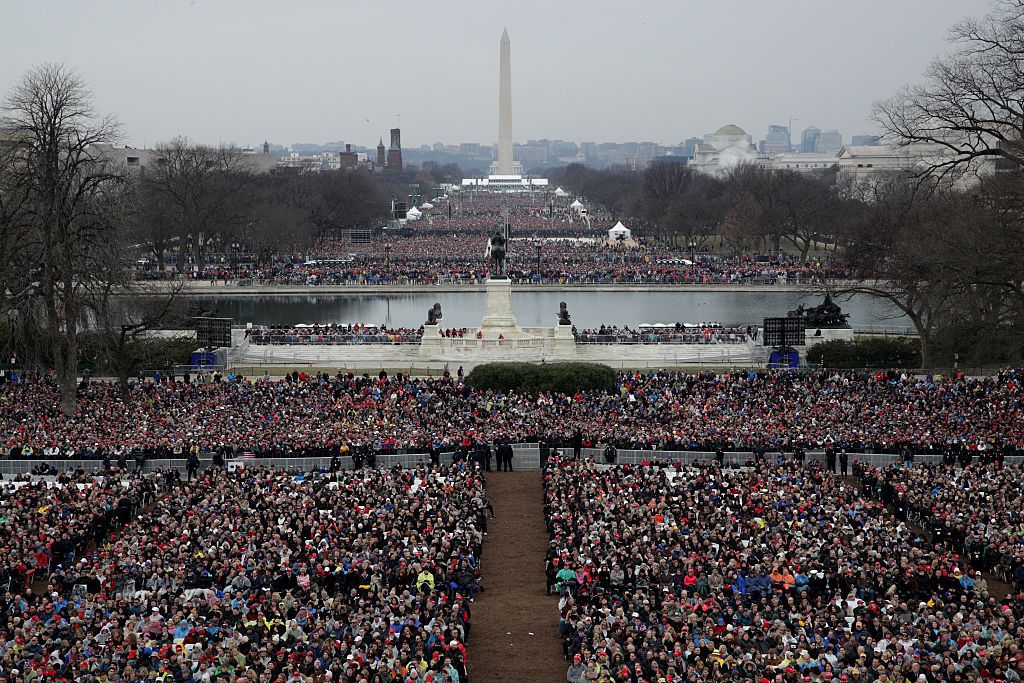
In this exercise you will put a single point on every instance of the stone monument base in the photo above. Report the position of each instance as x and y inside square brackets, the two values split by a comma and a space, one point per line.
[499, 322]
[818, 335]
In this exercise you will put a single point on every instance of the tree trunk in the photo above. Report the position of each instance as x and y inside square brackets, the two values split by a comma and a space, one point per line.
[923, 337]
[197, 250]
[180, 262]
[69, 390]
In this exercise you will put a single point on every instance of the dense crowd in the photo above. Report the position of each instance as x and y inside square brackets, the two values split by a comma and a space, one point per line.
[457, 259]
[680, 333]
[975, 507]
[551, 244]
[771, 574]
[47, 522]
[317, 414]
[332, 334]
[261, 575]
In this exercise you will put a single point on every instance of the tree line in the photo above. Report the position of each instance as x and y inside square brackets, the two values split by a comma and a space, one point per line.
[74, 219]
[942, 243]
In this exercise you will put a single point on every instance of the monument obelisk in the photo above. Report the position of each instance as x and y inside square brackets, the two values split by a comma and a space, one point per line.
[505, 165]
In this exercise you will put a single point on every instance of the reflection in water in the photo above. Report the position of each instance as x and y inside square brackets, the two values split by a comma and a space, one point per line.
[588, 309]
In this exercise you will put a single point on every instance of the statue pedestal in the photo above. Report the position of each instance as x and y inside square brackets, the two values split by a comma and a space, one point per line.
[498, 319]
[817, 335]
[431, 337]
[565, 341]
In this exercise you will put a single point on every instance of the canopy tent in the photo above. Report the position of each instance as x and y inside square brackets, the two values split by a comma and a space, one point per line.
[619, 232]
[413, 214]
[559, 192]
[577, 204]
[426, 205]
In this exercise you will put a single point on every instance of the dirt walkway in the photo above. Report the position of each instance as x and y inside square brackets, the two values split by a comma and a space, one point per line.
[515, 625]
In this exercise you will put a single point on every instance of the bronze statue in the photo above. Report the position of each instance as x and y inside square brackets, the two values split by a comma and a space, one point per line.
[496, 250]
[434, 314]
[563, 314]
[827, 315]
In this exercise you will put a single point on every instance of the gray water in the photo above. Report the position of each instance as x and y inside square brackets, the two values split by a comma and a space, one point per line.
[534, 309]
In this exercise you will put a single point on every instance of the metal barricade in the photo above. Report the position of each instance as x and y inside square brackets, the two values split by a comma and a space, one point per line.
[526, 456]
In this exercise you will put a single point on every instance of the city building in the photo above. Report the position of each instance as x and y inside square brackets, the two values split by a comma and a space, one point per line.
[864, 140]
[809, 139]
[394, 162]
[829, 142]
[530, 155]
[777, 141]
[348, 159]
[381, 154]
[723, 150]
[800, 162]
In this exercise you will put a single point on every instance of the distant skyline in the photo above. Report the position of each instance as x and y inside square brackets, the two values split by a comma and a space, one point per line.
[319, 71]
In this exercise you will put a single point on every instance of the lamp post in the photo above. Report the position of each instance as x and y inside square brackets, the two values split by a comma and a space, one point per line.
[538, 259]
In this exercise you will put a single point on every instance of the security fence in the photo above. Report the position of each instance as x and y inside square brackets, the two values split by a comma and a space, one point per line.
[740, 458]
[527, 456]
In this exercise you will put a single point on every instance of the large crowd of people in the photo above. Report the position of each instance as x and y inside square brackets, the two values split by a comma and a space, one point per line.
[679, 333]
[884, 411]
[47, 521]
[550, 245]
[332, 334]
[782, 573]
[778, 571]
[456, 259]
[974, 507]
[252, 575]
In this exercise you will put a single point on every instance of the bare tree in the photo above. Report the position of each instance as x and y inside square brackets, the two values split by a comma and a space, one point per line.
[66, 189]
[129, 317]
[809, 208]
[739, 227]
[203, 190]
[697, 213]
[154, 224]
[971, 105]
[898, 253]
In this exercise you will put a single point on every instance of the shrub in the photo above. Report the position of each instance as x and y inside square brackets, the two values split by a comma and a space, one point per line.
[870, 352]
[565, 378]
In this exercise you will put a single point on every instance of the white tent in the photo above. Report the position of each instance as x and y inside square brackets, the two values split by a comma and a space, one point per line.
[559, 192]
[577, 204]
[426, 205]
[413, 214]
[620, 231]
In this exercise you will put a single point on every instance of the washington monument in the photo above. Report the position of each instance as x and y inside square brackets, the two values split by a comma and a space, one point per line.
[505, 165]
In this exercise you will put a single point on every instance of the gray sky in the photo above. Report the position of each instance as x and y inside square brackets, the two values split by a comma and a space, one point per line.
[243, 71]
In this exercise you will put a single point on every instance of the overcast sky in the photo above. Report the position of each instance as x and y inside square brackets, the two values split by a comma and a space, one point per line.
[245, 71]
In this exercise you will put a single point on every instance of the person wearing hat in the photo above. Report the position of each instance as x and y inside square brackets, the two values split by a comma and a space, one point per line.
[577, 670]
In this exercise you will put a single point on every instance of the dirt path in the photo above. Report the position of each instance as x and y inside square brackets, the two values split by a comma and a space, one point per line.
[501, 647]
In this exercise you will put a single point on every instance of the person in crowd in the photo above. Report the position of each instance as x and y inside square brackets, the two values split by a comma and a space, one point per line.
[560, 249]
[314, 415]
[977, 512]
[255, 575]
[786, 573]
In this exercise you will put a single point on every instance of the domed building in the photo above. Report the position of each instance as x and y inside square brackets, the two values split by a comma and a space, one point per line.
[722, 150]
